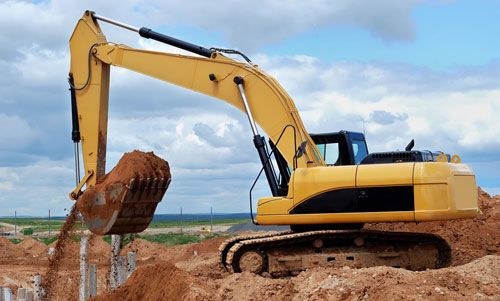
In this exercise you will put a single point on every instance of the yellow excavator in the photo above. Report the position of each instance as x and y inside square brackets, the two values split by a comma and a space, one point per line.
[324, 186]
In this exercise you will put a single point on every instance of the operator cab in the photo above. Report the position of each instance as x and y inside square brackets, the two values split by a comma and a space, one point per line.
[338, 148]
[341, 148]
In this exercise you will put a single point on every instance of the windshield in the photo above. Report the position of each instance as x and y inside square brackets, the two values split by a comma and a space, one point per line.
[360, 150]
[329, 152]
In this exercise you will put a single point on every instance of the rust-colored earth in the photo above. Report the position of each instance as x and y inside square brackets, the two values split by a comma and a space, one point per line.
[192, 272]
[134, 165]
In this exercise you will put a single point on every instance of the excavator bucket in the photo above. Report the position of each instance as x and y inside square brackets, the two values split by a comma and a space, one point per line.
[122, 204]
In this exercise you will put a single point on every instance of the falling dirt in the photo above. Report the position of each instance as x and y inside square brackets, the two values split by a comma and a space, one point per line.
[59, 252]
[134, 165]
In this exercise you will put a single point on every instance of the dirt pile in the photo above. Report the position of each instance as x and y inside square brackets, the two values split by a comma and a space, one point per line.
[32, 247]
[7, 249]
[469, 238]
[141, 166]
[476, 280]
[158, 282]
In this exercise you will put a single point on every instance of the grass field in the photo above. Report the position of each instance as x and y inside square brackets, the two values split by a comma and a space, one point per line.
[42, 225]
[167, 239]
[201, 222]
[37, 224]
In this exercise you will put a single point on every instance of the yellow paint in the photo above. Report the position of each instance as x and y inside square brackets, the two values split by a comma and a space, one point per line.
[333, 218]
[308, 182]
[384, 174]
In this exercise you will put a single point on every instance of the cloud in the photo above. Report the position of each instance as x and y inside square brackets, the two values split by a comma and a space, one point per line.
[251, 26]
[384, 117]
[48, 24]
[442, 110]
[16, 133]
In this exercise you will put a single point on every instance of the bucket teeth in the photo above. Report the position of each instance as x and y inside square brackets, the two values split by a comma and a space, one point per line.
[131, 206]
[131, 184]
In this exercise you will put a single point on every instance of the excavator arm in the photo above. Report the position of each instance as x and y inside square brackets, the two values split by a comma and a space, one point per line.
[217, 76]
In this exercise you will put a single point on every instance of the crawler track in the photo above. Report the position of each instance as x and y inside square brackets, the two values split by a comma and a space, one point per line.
[285, 253]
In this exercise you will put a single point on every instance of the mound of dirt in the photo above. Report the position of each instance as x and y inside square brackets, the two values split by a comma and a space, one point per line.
[99, 250]
[146, 250]
[7, 249]
[33, 247]
[469, 238]
[158, 282]
[476, 280]
[185, 252]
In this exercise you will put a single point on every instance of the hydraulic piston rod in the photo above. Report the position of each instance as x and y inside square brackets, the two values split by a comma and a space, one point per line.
[151, 34]
[258, 140]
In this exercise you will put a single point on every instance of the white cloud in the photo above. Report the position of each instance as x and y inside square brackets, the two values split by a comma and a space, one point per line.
[247, 25]
[35, 188]
[439, 109]
[16, 133]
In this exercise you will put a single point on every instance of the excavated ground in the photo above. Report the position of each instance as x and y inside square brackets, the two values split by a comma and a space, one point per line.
[191, 272]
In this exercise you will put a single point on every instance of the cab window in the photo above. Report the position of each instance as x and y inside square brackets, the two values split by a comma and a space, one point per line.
[329, 152]
[360, 150]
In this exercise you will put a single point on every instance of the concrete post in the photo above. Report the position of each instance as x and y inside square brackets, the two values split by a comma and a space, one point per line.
[115, 252]
[29, 295]
[37, 286]
[84, 246]
[21, 293]
[131, 263]
[92, 280]
[122, 262]
[7, 294]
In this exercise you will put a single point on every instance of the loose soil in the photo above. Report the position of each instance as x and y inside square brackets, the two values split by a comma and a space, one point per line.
[136, 164]
[54, 265]
[192, 272]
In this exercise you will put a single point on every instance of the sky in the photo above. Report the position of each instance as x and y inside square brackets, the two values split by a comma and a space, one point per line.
[397, 70]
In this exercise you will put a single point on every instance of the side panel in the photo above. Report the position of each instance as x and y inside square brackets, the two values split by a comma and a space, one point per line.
[310, 182]
[444, 191]
[390, 175]
[364, 199]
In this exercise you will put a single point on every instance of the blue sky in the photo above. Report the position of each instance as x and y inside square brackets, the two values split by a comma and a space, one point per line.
[428, 70]
[446, 35]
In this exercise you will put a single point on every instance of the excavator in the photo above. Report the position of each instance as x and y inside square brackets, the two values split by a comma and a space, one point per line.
[324, 186]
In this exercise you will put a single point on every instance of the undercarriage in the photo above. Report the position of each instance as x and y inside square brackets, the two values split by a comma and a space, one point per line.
[288, 253]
